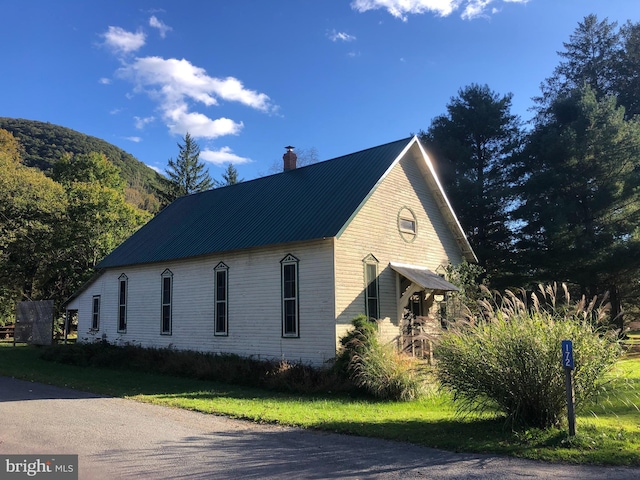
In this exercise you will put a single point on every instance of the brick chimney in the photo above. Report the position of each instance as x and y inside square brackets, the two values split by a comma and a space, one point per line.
[289, 159]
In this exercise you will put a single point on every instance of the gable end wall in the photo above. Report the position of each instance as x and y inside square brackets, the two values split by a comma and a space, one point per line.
[374, 230]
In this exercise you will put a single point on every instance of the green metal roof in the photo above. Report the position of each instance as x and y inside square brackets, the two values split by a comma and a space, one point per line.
[307, 203]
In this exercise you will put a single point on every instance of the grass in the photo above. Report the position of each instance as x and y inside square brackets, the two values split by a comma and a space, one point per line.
[608, 433]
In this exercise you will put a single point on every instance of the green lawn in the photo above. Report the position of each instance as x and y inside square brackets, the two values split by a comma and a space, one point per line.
[608, 433]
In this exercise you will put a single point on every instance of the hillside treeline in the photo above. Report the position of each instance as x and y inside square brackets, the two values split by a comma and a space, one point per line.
[55, 227]
[44, 144]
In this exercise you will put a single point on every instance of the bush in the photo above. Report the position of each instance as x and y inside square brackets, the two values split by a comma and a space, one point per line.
[378, 369]
[226, 368]
[510, 358]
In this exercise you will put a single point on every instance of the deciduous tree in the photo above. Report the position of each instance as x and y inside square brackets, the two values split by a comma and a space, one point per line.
[88, 168]
[97, 219]
[32, 209]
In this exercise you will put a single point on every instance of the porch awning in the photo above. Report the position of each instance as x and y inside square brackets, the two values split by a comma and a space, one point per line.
[423, 276]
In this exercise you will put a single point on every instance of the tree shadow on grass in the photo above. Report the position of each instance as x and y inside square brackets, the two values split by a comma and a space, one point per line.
[460, 434]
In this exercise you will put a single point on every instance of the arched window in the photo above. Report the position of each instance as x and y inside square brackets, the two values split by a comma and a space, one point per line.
[167, 295]
[122, 302]
[290, 304]
[95, 313]
[371, 289]
[221, 299]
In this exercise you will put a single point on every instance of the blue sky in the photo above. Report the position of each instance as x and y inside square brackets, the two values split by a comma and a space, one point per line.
[247, 78]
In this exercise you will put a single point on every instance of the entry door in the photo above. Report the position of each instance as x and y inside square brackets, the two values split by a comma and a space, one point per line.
[415, 304]
[409, 326]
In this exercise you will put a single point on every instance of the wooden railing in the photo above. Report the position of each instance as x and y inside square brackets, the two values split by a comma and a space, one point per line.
[7, 331]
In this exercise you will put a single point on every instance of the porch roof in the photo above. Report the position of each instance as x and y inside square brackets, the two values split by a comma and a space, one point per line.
[423, 277]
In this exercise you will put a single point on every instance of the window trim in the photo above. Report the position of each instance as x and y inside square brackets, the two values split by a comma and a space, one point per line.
[122, 306]
[95, 313]
[408, 234]
[408, 225]
[221, 268]
[285, 263]
[167, 274]
[371, 261]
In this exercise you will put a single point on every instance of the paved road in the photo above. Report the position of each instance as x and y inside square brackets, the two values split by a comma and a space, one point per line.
[120, 439]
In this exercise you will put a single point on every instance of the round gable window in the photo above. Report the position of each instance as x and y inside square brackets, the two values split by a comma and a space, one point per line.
[407, 224]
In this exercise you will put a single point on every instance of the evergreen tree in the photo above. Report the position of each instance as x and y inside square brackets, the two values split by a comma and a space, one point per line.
[607, 61]
[474, 144]
[229, 177]
[599, 55]
[591, 57]
[628, 78]
[580, 208]
[186, 174]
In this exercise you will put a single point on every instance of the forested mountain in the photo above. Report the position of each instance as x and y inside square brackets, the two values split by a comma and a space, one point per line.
[44, 144]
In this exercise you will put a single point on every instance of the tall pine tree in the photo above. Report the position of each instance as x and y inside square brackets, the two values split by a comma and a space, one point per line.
[628, 75]
[599, 55]
[474, 144]
[580, 208]
[186, 174]
[229, 177]
[591, 57]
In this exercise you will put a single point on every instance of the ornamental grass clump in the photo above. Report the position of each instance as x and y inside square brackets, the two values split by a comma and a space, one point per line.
[378, 369]
[509, 358]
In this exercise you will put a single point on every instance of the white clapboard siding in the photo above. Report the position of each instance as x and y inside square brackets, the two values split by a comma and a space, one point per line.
[254, 305]
[374, 230]
[331, 282]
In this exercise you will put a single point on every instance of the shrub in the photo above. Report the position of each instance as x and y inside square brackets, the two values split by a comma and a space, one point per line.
[469, 278]
[226, 368]
[378, 369]
[510, 358]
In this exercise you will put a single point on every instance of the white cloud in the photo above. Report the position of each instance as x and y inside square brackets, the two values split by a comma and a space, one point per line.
[115, 111]
[134, 139]
[342, 36]
[104, 81]
[180, 121]
[157, 169]
[162, 27]
[224, 155]
[121, 41]
[177, 79]
[402, 8]
[175, 83]
[474, 9]
[142, 122]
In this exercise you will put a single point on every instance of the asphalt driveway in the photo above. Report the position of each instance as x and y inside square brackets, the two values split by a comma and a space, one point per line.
[119, 439]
